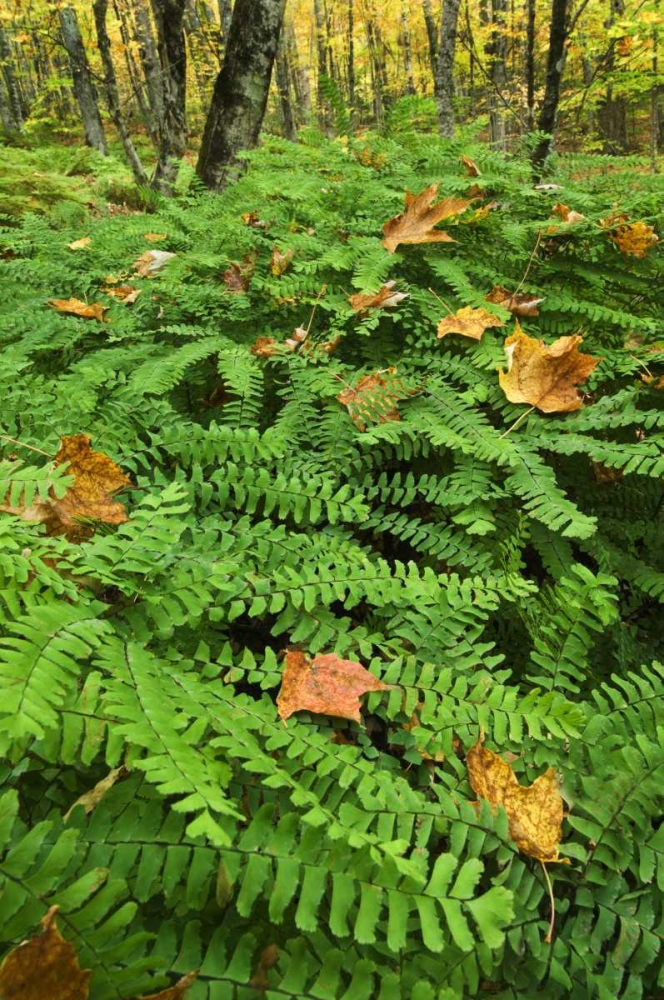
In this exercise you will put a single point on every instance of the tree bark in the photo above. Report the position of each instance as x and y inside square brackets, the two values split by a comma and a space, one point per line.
[530, 65]
[351, 59]
[100, 8]
[147, 51]
[612, 112]
[554, 71]
[168, 15]
[444, 73]
[241, 89]
[497, 50]
[84, 88]
[406, 46]
[13, 92]
[225, 17]
[283, 86]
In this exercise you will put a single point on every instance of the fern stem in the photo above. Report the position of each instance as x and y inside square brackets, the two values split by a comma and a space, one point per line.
[6, 437]
[529, 264]
[549, 934]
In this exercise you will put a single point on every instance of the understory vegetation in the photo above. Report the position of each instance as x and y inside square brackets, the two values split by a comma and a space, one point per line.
[499, 567]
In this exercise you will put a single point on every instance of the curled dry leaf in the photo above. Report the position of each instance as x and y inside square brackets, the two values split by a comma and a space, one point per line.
[384, 298]
[634, 239]
[326, 685]
[416, 222]
[155, 237]
[96, 479]
[280, 262]
[373, 399]
[252, 219]
[535, 812]
[81, 244]
[74, 307]
[545, 375]
[468, 322]
[125, 293]
[265, 347]
[519, 304]
[90, 800]
[566, 214]
[175, 992]
[152, 262]
[471, 168]
[44, 966]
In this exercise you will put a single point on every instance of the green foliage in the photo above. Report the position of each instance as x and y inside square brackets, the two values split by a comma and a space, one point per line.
[497, 575]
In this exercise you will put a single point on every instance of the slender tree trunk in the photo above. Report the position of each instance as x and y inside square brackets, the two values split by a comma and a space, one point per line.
[407, 48]
[351, 59]
[241, 89]
[432, 36]
[655, 132]
[168, 15]
[444, 75]
[126, 33]
[612, 113]
[84, 88]
[497, 50]
[554, 71]
[147, 51]
[323, 73]
[225, 17]
[100, 8]
[5, 113]
[300, 75]
[530, 64]
[283, 86]
[13, 92]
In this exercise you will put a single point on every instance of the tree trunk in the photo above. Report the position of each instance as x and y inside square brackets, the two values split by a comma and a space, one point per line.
[84, 88]
[406, 46]
[100, 8]
[300, 74]
[351, 59]
[612, 112]
[432, 36]
[147, 51]
[168, 15]
[241, 89]
[225, 17]
[283, 86]
[126, 33]
[555, 65]
[497, 50]
[530, 65]
[13, 92]
[322, 107]
[444, 75]
[655, 125]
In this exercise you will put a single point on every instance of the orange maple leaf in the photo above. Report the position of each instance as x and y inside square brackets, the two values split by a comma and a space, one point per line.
[566, 214]
[471, 168]
[280, 262]
[634, 239]
[545, 375]
[373, 398]
[416, 222]
[124, 293]
[535, 812]
[385, 298]
[519, 304]
[74, 307]
[326, 685]
[468, 322]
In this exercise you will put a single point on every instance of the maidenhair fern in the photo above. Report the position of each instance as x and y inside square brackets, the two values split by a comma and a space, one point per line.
[500, 570]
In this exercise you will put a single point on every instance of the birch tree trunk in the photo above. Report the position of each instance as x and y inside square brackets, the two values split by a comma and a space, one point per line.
[84, 88]
[168, 15]
[283, 86]
[147, 51]
[14, 105]
[555, 65]
[497, 50]
[241, 89]
[444, 71]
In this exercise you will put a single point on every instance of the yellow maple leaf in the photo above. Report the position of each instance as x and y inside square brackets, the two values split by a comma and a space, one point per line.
[326, 685]
[545, 375]
[416, 223]
[385, 298]
[81, 244]
[634, 239]
[75, 307]
[468, 322]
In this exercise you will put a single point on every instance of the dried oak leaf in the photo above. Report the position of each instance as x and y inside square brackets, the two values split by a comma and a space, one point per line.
[326, 685]
[43, 967]
[152, 262]
[416, 222]
[468, 322]
[384, 298]
[125, 293]
[471, 168]
[280, 262]
[535, 812]
[634, 239]
[518, 304]
[74, 307]
[566, 214]
[373, 398]
[545, 375]
[81, 244]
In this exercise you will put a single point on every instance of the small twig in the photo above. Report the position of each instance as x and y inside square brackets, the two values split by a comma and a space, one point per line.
[530, 263]
[313, 311]
[6, 437]
[520, 419]
[549, 934]
[442, 301]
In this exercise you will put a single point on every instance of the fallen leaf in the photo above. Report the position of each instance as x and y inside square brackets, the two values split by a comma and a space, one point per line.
[252, 219]
[604, 474]
[43, 967]
[125, 293]
[384, 298]
[269, 958]
[265, 347]
[468, 322]
[299, 336]
[566, 214]
[175, 992]
[81, 244]
[74, 307]
[635, 238]
[518, 304]
[238, 275]
[372, 399]
[416, 222]
[326, 685]
[152, 262]
[471, 168]
[90, 800]
[280, 262]
[535, 812]
[545, 375]
[155, 237]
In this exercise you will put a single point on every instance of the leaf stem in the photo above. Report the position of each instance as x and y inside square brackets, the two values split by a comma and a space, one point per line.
[442, 301]
[519, 419]
[549, 934]
[529, 264]
[6, 437]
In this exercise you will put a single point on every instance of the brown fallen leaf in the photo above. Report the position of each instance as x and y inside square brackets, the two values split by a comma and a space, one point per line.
[384, 298]
[280, 262]
[373, 398]
[252, 219]
[90, 800]
[265, 347]
[74, 307]
[125, 293]
[155, 237]
[43, 967]
[634, 239]
[535, 812]
[238, 275]
[471, 168]
[269, 958]
[468, 322]
[326, 685]
[81, 244]
[416, 223]
[566, 214]
[97, 479]
[152, 262]
[545, 375]
[175, 992]
[519, 304]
